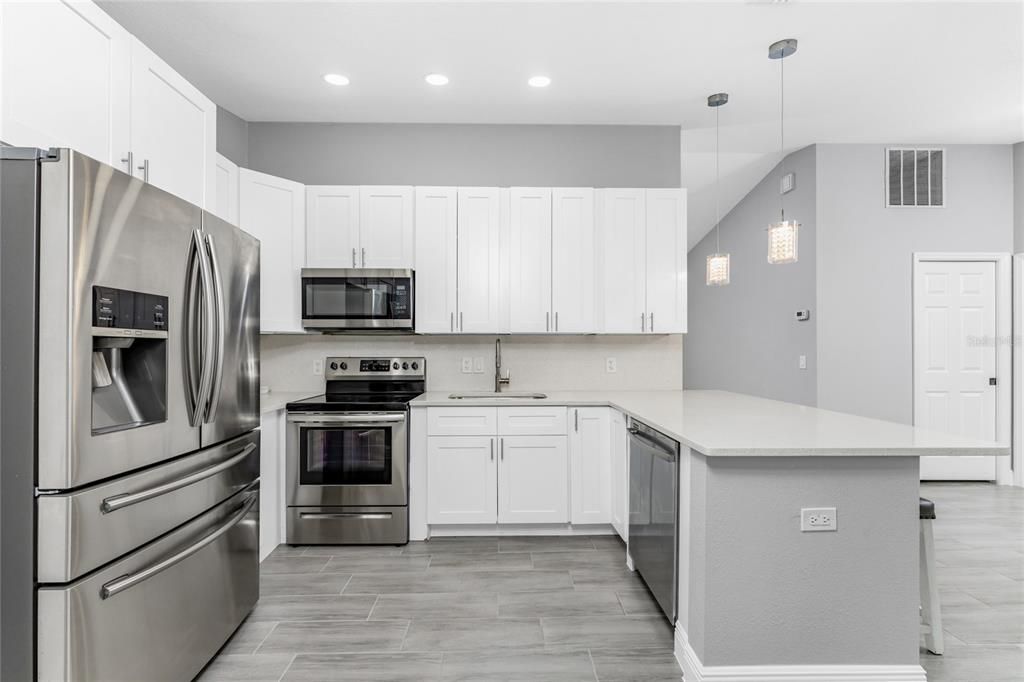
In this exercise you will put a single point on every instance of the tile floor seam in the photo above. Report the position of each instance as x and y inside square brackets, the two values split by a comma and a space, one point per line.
[342, 591]
[263, 641]
[287, 667]
[593, 664]
[375, 600]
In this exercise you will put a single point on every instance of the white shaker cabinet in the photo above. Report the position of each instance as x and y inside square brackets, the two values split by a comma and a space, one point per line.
[173, 130]
[462, 479]
[386, 227]
[530, 260]
[273, 210]
[225, 202]
[572, 260]
[436, 252]
[619, 445]
[332, 226]
[666, 252]
[533, 479]
[590, 459]
[622, 260]
[479, 274]
[66, 74]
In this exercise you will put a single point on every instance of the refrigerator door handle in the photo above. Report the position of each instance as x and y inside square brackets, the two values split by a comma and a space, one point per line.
[218, 298]
[190, 329]
[126, 582]
[208, 336]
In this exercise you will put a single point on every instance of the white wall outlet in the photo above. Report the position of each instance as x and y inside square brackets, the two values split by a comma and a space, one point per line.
[802, 362]
[318, 367]
[467, 365]
[611, 365]
[814, 519]
[478, 365]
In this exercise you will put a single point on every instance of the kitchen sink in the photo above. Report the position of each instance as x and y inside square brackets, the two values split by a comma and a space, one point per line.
[507, 395]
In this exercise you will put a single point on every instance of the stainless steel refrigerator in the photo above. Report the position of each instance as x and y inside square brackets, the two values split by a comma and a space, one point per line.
[129, 409]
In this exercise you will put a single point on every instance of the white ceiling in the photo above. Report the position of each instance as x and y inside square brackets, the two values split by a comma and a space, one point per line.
[914, 72]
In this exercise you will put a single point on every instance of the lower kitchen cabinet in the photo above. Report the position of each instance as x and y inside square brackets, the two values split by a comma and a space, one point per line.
[590, 450]
[533, 479]
[462, 479]
[619, 456]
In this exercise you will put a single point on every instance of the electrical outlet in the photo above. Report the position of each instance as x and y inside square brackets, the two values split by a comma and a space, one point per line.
[814, 519]
[802, 362]
[318, 367]
[478, 365]
[467, 365]
[611, 366]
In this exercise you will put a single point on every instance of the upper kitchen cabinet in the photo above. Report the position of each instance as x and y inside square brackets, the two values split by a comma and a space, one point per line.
[642, 260]
[666, 261]
[225, 203]
[572, 259]
[66, 73]
[173, 130]
[273, 210]
[332, 226]
[479, 275]
[436, 267]
[386, 227]
[359, 227]
[530, 260]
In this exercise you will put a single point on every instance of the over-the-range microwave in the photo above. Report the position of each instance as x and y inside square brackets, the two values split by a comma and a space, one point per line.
[357, 299]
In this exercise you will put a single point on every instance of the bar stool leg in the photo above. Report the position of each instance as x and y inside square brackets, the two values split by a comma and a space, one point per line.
[931, 611]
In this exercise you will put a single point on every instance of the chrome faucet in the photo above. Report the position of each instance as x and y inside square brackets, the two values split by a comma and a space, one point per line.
[499, 380]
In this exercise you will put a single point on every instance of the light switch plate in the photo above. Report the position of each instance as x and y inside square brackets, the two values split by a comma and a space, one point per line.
[802, 362]
[318, 367]
[818, 519]
[467, 365]
[611, 366]
[478, 365]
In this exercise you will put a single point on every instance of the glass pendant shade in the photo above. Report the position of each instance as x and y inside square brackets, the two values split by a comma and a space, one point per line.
[783, 237]
[718, 269]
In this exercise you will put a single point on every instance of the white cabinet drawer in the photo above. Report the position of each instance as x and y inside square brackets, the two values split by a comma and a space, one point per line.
[462, 421]
[532, 421]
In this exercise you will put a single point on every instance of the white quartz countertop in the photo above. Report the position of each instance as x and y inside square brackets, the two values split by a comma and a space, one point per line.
[276, 400]
[722, 424]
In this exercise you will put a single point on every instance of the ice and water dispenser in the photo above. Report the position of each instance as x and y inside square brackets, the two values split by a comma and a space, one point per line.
[129, 359]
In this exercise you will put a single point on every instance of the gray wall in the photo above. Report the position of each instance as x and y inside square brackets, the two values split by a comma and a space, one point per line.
[763, 593]
[864, 265]
[233, 137]
[448, 154]
[1018, 197]
[744, 337]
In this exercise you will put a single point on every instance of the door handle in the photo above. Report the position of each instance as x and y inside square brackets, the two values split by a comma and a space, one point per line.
[501, 448]
[547, 322]
[350, 419]
[652, 322]
[145, 170]
[206, 361]
[460, 322]
[364, 257]
[643, 322]
[345, 515]
[218, 298]
[451, 321]
[353, 256]
[492, 449]
[116, 502]
[577, 420]
[556, 320]
[128, 581]
[129, 161]
[190, 329]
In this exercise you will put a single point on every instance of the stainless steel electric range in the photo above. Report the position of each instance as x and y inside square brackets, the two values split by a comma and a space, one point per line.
[347, 454]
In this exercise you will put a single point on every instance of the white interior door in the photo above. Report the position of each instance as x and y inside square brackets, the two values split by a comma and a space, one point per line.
[955, 360]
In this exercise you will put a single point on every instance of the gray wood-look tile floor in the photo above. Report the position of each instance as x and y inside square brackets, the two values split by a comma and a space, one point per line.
[524, 608]
[979, 552]
[567, 608]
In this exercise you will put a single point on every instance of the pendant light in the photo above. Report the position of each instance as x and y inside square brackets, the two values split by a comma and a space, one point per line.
[783, 235]
[718, 262]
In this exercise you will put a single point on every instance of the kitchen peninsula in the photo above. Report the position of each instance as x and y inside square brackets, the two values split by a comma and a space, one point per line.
[758, 598]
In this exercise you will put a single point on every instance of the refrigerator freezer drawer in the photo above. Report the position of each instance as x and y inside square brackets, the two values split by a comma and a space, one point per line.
[347, 526]
[83, 530]
[160, 613]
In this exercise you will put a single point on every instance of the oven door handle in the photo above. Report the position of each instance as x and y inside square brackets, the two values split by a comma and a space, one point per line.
[345, 515]
[351, 419]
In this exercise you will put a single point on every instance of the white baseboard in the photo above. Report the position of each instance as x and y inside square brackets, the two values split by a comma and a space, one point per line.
[439, 531]
[695, 671]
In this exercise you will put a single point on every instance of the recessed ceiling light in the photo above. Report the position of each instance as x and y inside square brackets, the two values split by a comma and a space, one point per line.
[336, 79]
[437, 79]
[539, 82]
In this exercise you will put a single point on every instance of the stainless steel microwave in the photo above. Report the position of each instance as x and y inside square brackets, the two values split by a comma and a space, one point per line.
[357, 299]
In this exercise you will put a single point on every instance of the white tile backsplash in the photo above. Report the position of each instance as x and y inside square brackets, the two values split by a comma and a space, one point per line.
[537, 363]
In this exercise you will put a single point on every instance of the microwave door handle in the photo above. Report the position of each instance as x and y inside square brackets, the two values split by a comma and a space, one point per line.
[190, 329]
[218, 297]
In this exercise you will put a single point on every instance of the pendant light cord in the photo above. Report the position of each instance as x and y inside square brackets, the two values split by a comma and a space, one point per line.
[718, 206]
[782, 129]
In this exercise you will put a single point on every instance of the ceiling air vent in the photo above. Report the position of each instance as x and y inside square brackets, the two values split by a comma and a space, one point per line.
[914, 177]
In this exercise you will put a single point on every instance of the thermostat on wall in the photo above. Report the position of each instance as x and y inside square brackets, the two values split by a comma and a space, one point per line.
[803, 315]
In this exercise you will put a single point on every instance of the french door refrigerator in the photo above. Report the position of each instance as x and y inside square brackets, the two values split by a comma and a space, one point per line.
[129, 409]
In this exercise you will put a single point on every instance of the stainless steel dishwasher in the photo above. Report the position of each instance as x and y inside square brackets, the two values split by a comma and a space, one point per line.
[654, 511]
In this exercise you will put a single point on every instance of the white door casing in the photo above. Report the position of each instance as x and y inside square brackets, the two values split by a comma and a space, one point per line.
[956, 360]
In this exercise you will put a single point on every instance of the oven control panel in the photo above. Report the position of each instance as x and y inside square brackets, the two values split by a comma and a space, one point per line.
[368, 368]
